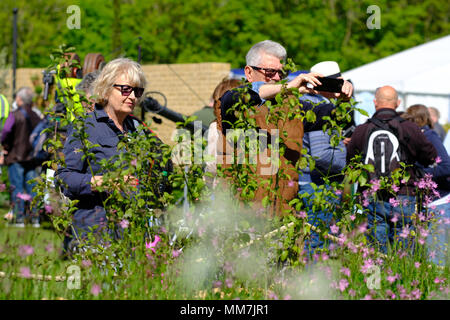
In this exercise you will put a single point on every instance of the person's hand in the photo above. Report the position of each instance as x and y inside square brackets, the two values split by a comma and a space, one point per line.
[97, 181]
[301, 82]
[131, 180]
[346, 141]
[345, 94]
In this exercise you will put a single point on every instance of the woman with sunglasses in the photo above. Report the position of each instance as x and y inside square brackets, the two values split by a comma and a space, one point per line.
[116, 91]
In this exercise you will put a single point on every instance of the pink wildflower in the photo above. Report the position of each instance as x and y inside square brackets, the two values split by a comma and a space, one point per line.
[405, 232]
[395, 188]
[395, 218]
[201, 231]
[152, 245]
[26, 250]
[394, 202]
[334, 229]
[302, 214]
[24, 196]
[86, 263]
[176, 253]
[391, 294]
[2, 187]
[415, 294]
[352, 217]
[25, 272]
[438, 160]
[343, 284]
[367, 265]
[417, 265]
[375, 185]
[49, 248]
[133, 162]
[124, 223]
[391, 279]
[96, 289]
[48, 208]
[345, 271]
[362, 228]
[342, 239]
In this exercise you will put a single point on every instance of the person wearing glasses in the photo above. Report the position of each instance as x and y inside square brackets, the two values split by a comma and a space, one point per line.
[117, 90]
[263, 72]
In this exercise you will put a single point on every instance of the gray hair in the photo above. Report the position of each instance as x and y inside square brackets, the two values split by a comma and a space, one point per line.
[26, 94]
[86, 84]
[270, 47]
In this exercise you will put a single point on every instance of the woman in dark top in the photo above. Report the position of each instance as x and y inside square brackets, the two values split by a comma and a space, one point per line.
[117, 89]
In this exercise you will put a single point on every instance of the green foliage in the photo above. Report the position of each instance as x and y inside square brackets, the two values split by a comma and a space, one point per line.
[223, 31]
[215, 245]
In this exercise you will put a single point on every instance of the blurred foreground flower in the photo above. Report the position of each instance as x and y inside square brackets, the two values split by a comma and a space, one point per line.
[24, 196]
[152, 245]
[95, 290]
[9, 216]
[26, 250]
[25, 272]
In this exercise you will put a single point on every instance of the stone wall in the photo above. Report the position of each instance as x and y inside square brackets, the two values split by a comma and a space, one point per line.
[187, 88]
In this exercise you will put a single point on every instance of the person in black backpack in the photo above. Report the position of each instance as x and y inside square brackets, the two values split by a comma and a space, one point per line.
[17, 147]
[385, 141]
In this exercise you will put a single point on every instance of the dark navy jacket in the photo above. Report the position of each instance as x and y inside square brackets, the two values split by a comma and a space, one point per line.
[77, 174]
[440, 172]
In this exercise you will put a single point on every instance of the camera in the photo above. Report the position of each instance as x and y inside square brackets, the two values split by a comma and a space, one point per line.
[349, 131]
[48, 80]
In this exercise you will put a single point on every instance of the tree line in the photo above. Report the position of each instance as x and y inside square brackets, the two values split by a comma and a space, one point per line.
[171, 31]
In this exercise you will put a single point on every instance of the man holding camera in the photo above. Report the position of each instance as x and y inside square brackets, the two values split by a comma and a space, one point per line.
[329, 162]
[263, 71]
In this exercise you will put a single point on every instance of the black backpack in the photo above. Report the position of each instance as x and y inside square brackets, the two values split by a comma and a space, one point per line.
[385, 146]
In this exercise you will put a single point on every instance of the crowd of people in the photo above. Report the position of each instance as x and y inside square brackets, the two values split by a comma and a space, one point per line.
[115, 90]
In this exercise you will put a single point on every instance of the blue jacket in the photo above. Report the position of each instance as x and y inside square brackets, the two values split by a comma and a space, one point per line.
[440, 172]
[77, 173]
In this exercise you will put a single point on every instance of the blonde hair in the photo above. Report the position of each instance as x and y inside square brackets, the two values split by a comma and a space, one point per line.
[103, 85]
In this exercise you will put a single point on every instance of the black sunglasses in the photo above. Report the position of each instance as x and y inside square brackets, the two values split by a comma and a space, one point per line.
[270, 73]
[126, 90]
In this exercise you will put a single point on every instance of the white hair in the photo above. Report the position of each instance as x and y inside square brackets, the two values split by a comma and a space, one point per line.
[270, 47]
[26, 94]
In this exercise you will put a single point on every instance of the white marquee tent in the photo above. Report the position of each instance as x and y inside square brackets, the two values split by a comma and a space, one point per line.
[420, 75]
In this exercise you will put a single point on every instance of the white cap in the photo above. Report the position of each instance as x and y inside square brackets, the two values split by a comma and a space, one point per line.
[327, 68]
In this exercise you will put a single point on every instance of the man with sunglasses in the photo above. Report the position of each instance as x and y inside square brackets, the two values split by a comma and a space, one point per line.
[263, 72]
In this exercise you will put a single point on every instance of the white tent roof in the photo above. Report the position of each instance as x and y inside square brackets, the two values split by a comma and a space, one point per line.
[423, 69]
